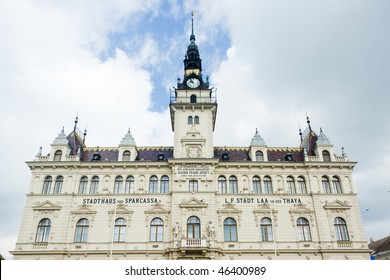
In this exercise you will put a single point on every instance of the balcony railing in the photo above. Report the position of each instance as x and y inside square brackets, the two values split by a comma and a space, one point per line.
[193, 242]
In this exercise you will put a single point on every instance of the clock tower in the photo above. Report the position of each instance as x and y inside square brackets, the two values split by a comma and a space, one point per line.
[193, 109]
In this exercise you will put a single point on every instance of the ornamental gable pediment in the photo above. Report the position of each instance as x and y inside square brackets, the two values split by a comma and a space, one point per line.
[193, 203]
[264, 209]
[157, 209]
[46, 206]
[337, 205]
[121, 209]
[300, 209]
[229, 208]
[83, 210]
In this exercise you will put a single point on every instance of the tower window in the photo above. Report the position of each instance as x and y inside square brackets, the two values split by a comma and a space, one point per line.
[193, 98]
[57, 155]
[190, 120]
[126, 156]
[326, 156]
[196, 120]
[259, 156]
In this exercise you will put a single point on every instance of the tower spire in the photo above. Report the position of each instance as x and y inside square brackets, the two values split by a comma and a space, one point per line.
[192, 37]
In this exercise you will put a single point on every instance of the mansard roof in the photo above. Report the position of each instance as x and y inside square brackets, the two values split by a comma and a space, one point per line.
[150, 153]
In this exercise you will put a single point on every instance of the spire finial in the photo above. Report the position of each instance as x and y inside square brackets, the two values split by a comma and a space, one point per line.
[76, 121]
[192, 37]
[300, 133]
[308, 121]
[85, 133]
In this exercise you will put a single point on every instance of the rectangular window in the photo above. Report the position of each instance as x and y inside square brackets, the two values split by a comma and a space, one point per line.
[193, 186]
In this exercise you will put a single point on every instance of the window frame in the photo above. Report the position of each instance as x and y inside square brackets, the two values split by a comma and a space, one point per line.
[222, 186]
[193, 227]
[164, 184]
[193, 185]
[83, 185]
[256, 184]
[130, 184]
[266, 229]
[267, 185]
[303, 230]
[94, 188]
[118, 184]
[47, 185]
[120, 230]
[341, 229]
[233, 184]
[230, 230]
[81, 231]
[58, 184]
[153, 184]
[156, 233]
[43, 231]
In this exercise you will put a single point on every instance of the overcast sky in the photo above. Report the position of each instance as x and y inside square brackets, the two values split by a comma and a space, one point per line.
[113, 63]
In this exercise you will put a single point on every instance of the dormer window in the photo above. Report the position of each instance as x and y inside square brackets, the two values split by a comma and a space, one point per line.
[288, 157]
[225, 157]
[126, 156]
[96, 156]
[57, 155]
[161, 156]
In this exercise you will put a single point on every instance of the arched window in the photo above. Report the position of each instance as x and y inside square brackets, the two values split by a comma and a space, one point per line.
[58, 185]
[164, 184]
[267, 184]
[153, 184]
[266, 229]
[156, 230]
[222, 184]
[126, 156]
[193, 227]
[256, 185]
[43, 231]
[303, 230]
[291, 185]
[57, 155]
[259, 156]
[81, 233]
[326, 155]
[230, 230]
[193, 98]
[196, 120]
[193, 185]
[120, 230]
[340, 226]
[233, 184]
[325, 184]
[129, 188]
[336, 185]
[190, 120]
[83, 185]
[47, 185]
[302, 185]
[94, 185]
[118, 185]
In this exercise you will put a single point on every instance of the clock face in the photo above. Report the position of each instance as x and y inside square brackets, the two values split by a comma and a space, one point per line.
[193, 82]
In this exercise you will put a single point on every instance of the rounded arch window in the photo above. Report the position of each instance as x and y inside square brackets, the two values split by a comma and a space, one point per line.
[326, 155]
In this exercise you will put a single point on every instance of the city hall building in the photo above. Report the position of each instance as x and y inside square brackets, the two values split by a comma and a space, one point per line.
[192, 200]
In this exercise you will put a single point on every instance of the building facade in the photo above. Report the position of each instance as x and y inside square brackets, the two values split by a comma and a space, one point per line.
[192, 200]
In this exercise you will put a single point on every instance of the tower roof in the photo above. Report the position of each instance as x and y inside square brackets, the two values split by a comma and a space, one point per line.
[257, 140]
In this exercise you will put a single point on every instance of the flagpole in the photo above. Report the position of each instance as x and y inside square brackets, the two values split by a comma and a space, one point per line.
[113, 232]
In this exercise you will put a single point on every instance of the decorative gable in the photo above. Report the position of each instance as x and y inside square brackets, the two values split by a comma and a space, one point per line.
[337, 205]
[193, 203]
[46, 206]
